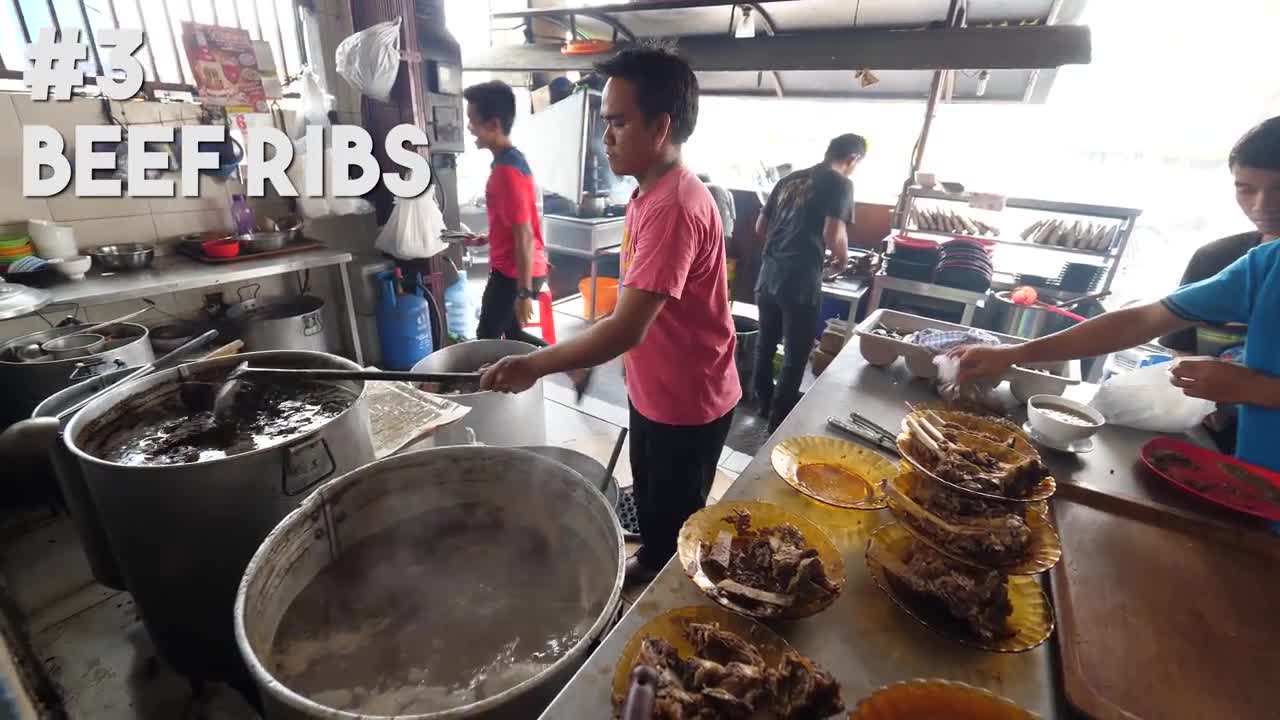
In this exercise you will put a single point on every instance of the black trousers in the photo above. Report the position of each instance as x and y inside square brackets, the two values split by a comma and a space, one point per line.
[498, 310]
[673, 467]
[795, 325]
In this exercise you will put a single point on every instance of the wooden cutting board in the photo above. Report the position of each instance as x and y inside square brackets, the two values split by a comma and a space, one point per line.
[1164, 623]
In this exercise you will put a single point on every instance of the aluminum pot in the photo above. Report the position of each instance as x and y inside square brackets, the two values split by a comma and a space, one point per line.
[281, 323]
[84, 514]
[499, 419]
[583, 464]
[504, 484]
[24, 384]
[1025, 321]
[182, 534]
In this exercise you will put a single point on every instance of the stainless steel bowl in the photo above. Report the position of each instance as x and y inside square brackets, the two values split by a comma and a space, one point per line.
[257, 242]
[74, 346]
[124, 256]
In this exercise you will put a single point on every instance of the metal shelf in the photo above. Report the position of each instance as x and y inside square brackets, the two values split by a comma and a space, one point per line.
[1127, 218]
[1104, 254]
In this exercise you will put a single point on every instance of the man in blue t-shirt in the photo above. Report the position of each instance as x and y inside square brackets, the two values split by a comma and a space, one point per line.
[1247, 292]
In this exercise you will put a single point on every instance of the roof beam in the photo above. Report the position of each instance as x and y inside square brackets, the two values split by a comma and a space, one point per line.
[1003, 48]
[626, 8]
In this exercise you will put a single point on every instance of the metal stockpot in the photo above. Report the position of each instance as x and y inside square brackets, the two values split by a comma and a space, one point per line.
[500, 419]
[24, 384]
[281, 323]
[182, 534]
[1025, 321]
[417, 487]
[84, 514]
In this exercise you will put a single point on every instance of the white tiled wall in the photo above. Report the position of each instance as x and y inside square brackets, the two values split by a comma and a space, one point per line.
[102, 221]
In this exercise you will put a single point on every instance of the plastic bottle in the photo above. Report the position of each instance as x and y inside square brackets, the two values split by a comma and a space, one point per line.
[242, 215]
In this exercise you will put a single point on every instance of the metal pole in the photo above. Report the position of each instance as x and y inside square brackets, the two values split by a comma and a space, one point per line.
[257, 20]
[284, 58]
[22, 21]
[53, 15]
[155, 70]
[93, 43]
[173, 43]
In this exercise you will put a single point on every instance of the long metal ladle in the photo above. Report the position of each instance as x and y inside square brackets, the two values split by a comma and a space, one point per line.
[37, 434]
[224, 401]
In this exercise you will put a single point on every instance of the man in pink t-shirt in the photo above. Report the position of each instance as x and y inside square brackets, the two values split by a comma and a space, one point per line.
[672, 320]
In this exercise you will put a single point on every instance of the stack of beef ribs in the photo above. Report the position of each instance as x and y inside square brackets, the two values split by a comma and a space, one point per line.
[727, 678]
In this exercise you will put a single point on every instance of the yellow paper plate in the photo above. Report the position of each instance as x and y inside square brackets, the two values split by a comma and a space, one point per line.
[1004, 432]
[707, 523]
[936, 700]
[1045, 550]
[670, 626]
[919, 457]
[1031, 620]
[833, 471]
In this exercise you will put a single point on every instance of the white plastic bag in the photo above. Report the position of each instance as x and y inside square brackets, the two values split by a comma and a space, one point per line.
[370, 59]
[414, 228]
[1145, 399]
[315, 105]
[325, 205]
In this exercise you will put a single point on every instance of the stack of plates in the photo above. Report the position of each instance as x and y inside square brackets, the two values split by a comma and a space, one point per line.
[912, 259]
[966, 264]
[12, 249]
[1080, 277]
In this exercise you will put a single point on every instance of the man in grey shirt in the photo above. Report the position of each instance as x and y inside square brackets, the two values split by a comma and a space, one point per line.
[807, 214]
[724, 203]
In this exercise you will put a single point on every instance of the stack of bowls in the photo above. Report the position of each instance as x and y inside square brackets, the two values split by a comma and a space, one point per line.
[14, 248]
[966, 264]
[912, 259]
[52, 240]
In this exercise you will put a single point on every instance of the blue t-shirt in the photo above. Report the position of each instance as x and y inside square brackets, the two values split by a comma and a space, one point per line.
[1247, 292]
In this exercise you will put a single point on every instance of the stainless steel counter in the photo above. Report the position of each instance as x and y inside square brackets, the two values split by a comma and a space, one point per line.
[863, 639]
[176, 273]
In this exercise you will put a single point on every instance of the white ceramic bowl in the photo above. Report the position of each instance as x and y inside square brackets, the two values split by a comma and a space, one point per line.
[1057, 431]
[72, 267]
[52, 240]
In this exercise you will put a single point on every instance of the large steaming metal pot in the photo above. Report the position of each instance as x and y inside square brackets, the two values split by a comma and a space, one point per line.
[503, 419]
[182, 534]
[415, 486]
[25, 383]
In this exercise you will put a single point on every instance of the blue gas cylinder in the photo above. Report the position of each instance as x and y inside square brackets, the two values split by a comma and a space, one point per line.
[404, 323]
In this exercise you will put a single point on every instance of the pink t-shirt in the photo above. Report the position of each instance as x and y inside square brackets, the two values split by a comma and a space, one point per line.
[682, 373]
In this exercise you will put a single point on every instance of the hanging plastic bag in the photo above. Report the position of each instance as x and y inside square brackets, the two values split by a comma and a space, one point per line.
[325, 205]
[1145, 399]
[315, 104]
[414, 228]
[370, 59]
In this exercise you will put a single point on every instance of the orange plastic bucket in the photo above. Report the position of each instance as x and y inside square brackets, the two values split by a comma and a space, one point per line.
[605, 299]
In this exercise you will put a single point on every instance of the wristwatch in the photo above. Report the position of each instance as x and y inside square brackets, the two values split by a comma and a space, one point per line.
[525, 294]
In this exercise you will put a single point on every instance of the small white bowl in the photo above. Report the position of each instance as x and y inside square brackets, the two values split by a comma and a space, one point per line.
[73, 267]
[1059, 431]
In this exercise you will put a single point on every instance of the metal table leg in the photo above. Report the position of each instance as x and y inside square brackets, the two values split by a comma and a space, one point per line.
[351, 314]
[591, 312]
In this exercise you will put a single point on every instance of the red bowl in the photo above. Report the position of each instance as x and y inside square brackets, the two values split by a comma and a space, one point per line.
[221, 248]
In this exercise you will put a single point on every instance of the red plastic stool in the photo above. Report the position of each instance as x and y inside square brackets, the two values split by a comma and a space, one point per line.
[546, 321]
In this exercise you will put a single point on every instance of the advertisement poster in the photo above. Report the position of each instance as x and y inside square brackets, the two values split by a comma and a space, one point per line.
[225, 66]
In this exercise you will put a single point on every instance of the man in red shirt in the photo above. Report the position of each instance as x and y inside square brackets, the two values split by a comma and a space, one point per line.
[517, 255]
[672, 320]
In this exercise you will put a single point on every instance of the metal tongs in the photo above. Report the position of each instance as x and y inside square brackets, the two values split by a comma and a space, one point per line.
[868, 432]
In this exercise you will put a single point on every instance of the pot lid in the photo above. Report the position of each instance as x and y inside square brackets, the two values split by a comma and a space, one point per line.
[17, 300]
